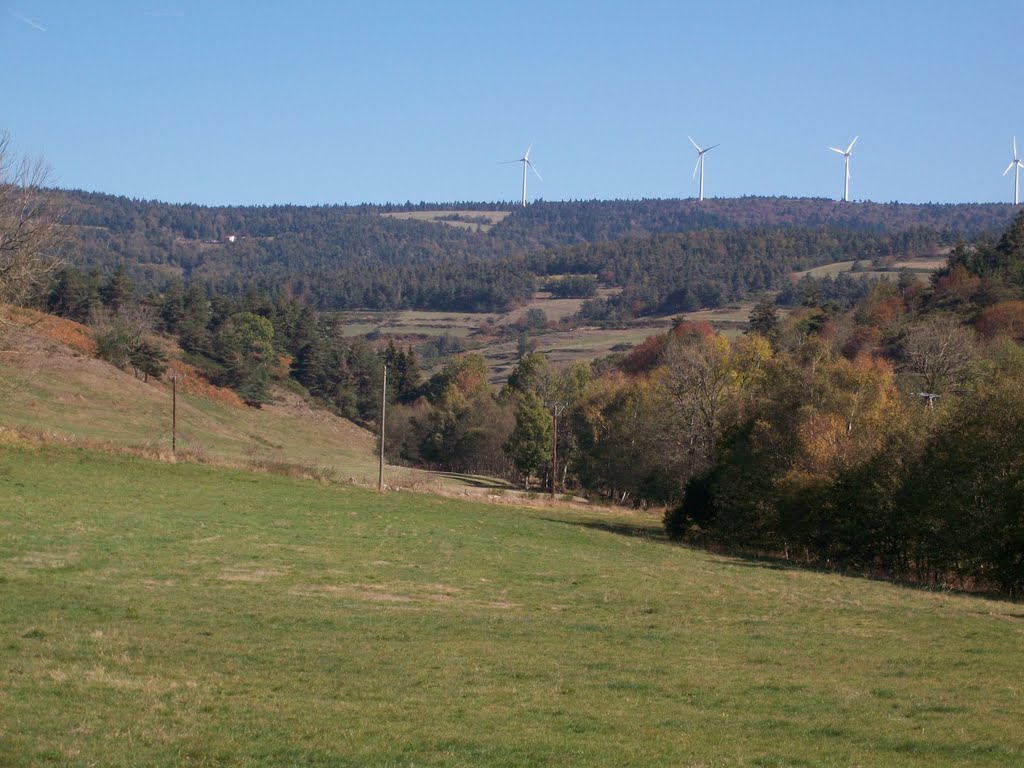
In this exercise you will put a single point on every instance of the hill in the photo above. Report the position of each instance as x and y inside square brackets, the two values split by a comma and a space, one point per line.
[52, 386]
[175, 614]
[468, 256]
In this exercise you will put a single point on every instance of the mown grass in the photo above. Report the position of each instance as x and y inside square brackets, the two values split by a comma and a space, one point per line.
[159, 614]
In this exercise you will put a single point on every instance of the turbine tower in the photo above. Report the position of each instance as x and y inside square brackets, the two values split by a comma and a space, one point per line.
[700, 162]
[846, 156]
[525, 160]
[1016, 164]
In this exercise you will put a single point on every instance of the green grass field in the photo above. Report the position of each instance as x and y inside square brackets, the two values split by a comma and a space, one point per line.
[158, 614]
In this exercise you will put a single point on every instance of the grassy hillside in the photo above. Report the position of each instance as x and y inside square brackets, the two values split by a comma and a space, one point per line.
[161, 614]
[50, 384]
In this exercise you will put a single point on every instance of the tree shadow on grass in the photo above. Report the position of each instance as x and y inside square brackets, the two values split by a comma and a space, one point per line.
[477, 481]
[762, 561]
[620, 529]
[775, 563]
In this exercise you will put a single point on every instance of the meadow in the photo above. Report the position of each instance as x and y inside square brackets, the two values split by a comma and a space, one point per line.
[476, 221]
[160, 614]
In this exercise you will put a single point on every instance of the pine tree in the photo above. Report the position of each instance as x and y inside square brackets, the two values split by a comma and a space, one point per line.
[529, 446]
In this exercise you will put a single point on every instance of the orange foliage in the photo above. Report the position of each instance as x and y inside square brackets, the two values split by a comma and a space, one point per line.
[645, 356]
[67, 332]
[696, 331]
[863, 339]
[823, 440]
[1006, 317]
[194, 383]
[885, 313]
[958, 285]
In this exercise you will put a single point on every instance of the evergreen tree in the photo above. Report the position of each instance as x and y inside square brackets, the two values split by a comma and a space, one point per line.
[244, 345]
[118, 291]
[764, 319]
[74, 295]
[529, 445]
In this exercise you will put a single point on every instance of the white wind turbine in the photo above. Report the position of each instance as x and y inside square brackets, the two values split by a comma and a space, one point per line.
[700, 162]
[846, 156]
[525, 160]
[1016, 164]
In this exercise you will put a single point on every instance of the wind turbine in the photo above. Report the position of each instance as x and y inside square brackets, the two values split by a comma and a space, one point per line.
[846, 156]
[1016, 164]
[700, 162]
[525, 160]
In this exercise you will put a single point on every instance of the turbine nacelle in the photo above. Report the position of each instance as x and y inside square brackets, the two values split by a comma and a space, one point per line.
[849, 150]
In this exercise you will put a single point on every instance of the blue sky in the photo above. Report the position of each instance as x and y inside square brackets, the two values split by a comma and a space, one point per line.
[316, 102]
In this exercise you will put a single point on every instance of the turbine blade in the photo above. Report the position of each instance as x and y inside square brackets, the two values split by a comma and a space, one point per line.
[1014, 147]
[712, 147]
[850, 148]
[697, 165]
[534, 170]
[837, 150]
[1013, 163]
[695, 146]
[526, 157]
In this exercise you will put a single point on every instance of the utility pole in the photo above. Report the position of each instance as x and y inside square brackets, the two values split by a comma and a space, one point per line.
[556, 410]
[174, 412]
[383, 410]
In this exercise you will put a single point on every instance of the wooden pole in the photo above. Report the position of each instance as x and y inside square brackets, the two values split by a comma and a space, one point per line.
[383, 411]
[174, 415]
[554, 449]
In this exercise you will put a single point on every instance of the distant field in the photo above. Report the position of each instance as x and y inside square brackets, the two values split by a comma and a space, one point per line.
[413, 322]
[919, 265]
[472, 220]
[178, 615]
[582, 344]
[561, 347]
[555, 309]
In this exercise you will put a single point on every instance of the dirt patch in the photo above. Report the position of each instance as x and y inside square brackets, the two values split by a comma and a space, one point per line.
[252, 575]
[401, 593]
[393, 592]
[44, 559]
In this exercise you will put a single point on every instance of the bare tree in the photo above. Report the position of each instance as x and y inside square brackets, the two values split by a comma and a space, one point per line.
[938, 352]
[30, 230]
[700, 374]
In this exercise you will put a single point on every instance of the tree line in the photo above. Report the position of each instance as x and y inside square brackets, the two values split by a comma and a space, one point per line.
[347, 257]
[882, 436]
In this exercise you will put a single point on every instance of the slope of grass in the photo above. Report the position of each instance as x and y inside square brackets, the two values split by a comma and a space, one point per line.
[49, 387]
[160, 614]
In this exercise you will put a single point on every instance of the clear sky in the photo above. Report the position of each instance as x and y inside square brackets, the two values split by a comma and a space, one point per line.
[227, 102]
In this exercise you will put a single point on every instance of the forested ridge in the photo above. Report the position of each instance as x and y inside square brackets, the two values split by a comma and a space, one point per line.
[344, 257]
